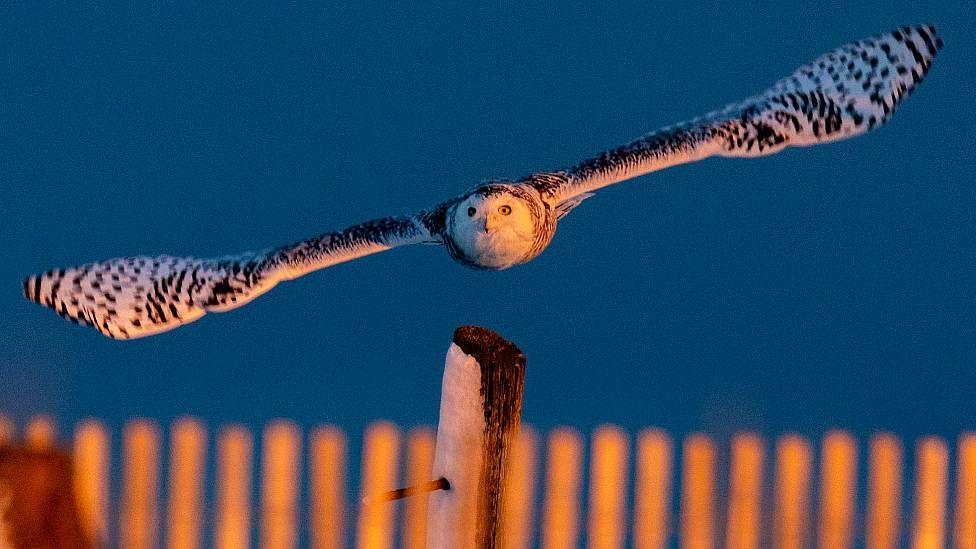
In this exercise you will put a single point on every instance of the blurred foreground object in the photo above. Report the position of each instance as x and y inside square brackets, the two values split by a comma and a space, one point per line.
[37, 507]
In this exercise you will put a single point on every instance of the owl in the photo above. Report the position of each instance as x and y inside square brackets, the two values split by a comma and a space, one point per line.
[500, 224]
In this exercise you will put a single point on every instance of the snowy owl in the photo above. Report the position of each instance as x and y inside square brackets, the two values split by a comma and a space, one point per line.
[497, 225]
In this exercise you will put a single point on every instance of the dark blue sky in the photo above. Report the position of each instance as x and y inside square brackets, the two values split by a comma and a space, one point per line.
[831, 286]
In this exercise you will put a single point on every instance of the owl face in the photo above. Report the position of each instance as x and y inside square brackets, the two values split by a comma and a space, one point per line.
[495, 227]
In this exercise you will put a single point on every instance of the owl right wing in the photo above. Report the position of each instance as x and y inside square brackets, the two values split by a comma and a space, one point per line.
[843, 93]
[135, 297]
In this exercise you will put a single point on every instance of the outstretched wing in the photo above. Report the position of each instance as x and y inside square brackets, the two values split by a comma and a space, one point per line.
[844, 93]
[139, 296]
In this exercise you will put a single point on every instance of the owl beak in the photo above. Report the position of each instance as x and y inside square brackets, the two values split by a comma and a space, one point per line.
[489, 223]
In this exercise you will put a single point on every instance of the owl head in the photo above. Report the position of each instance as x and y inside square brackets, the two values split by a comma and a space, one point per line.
[499, 225]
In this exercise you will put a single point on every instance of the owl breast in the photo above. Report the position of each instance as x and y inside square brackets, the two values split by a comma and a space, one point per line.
[496, 227]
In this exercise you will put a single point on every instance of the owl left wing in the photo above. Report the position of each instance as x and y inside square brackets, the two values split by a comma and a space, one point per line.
[846, 92]
[133, 297]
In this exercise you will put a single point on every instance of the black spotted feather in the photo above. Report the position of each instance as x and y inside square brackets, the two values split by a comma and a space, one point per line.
[139, 296]
[843, 93]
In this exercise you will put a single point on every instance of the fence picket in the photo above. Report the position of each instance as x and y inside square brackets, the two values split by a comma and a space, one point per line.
[608, 488]
[379, 474]
[838, 490]
[794, 462]
[517, 522]
[883, 521]
[280, 478]
[232, 524]
[652, 490]
[40, 432]
[91, 479]
[187, 466]
[327, 484]
[140, 485]
[420, 459]
[697, 489]
[7, 429]
[744, 520]
[560, 515]
[964, 533]
[931, 472]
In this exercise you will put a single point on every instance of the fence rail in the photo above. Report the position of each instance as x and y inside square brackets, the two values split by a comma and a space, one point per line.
[783, 493]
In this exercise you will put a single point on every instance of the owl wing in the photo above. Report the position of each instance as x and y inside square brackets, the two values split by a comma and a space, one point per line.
[844, 93]
[134, 297]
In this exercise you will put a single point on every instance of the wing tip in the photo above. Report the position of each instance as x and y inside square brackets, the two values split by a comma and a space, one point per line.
[31, 288]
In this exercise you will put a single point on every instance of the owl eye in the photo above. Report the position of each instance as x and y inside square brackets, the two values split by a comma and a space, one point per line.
[471, 212]
[505, 210]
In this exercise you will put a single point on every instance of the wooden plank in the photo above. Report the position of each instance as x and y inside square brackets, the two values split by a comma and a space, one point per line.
[232, 519]
[964, 531]
[420, 460]
[374, 529]
[518, 521]
[697, 492]
[744, 521]
[280, 485]
[652, 490]
[883, 522]
[794, 461]
[609, 457]
[140, 485]
[187, 471]
[931, 481]
[560, 511]
[838, 490]
[91, 479]
[327, 486]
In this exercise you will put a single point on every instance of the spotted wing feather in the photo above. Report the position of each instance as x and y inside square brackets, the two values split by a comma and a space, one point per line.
[140, 296]
[844, 93]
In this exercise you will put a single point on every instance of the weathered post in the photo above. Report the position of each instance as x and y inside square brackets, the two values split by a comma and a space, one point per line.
[481, 406]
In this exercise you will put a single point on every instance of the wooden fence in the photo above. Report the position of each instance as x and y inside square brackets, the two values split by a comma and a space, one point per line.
[646, 493]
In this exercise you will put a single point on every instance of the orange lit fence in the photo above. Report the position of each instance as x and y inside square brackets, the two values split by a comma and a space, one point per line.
[650, 492]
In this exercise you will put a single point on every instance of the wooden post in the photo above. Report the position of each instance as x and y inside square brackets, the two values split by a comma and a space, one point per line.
[481, 406]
